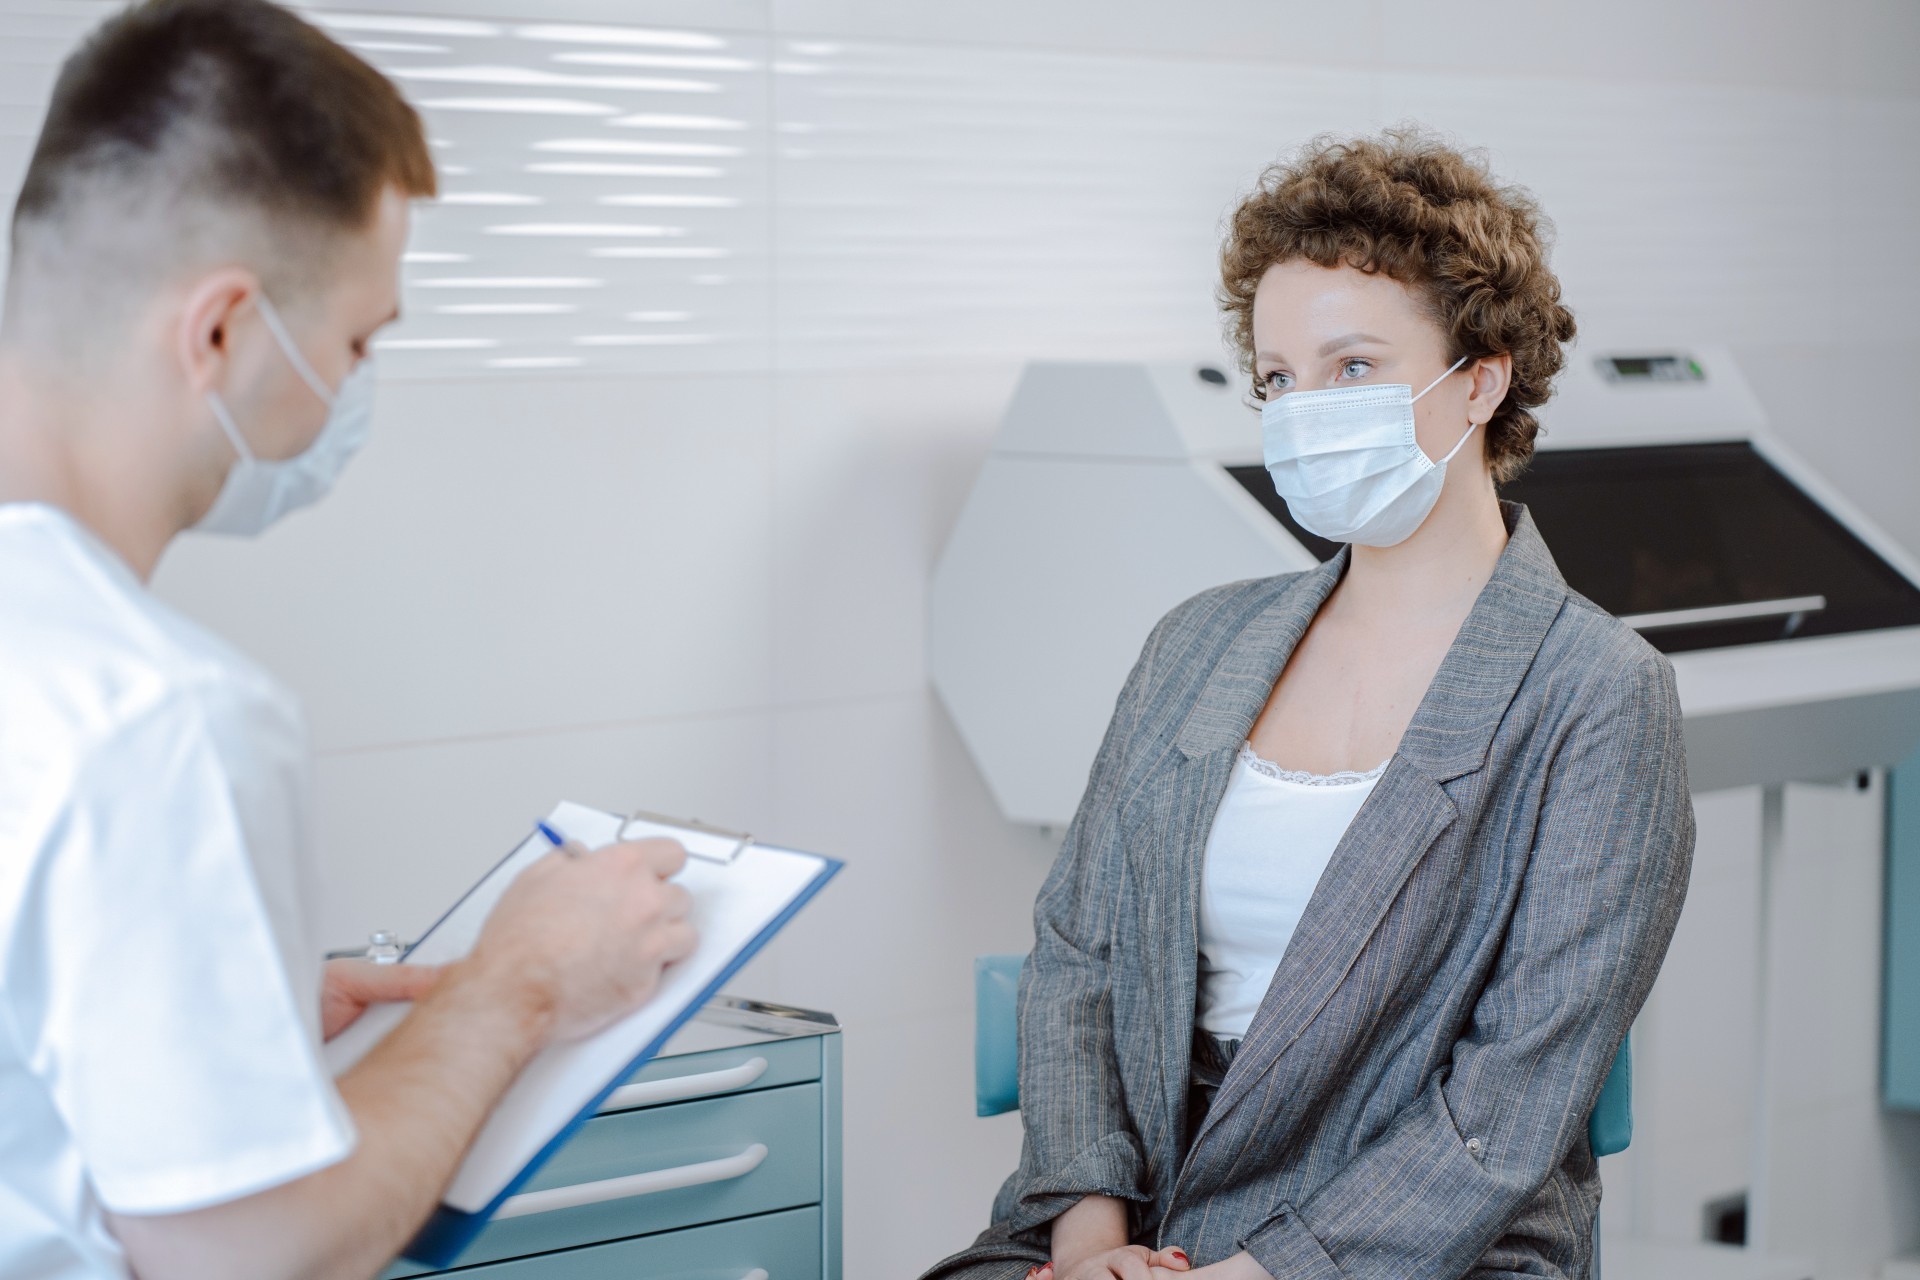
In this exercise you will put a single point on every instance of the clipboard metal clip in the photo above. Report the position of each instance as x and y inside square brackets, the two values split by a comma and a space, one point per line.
[701, 840]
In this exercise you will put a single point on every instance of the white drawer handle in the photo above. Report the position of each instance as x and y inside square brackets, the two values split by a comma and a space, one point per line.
[634, 1184]
[650, 1092]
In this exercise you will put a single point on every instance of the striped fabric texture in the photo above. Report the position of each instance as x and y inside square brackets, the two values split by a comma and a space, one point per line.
[1412, 1097]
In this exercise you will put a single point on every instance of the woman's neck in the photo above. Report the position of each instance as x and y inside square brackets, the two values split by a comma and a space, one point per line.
[1438, 572]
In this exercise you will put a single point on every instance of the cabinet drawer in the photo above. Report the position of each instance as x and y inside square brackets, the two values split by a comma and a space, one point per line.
[785, 1246]
[722, 1071]
[787, 1122]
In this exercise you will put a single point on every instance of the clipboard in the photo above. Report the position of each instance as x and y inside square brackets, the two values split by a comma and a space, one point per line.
[744, 893]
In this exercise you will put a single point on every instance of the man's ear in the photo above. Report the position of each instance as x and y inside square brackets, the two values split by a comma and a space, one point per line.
[204, 335]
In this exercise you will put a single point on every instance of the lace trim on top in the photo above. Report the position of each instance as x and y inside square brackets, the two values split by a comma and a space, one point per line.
[1345, 778]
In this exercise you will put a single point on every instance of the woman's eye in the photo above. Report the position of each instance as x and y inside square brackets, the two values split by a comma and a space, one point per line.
[1355, 368]
[1277, 381]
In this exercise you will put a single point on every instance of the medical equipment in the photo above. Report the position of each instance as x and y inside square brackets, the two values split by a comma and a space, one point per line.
[1114, 491]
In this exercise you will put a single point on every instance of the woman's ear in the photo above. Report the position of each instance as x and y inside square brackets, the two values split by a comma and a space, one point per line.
[1491, 377]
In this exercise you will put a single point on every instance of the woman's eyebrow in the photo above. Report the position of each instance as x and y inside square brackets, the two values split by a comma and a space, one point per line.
[1349, 340]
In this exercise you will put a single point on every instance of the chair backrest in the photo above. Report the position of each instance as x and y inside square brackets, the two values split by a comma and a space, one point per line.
[996, 1058]
[996, 1034]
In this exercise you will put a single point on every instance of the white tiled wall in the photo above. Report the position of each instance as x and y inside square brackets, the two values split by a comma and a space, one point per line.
[683, 565]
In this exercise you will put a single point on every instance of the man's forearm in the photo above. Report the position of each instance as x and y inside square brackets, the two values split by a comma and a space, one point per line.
[417, 1100]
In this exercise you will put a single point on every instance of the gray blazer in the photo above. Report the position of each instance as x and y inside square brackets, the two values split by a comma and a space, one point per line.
[1412, 1097]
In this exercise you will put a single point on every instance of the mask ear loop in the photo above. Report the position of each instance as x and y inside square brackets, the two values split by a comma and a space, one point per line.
[1471, 426]
[222, 416]
[299, 362]
[1443, 377]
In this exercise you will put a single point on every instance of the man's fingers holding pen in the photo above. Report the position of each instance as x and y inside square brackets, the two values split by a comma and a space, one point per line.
[589, 936]
[661, 856]
[677, 942]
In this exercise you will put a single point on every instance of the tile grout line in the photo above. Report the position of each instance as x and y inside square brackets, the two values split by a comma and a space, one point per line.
[775, 417]
[641, 722]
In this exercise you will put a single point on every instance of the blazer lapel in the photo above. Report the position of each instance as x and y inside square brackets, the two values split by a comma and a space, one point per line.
[1222, 716]
[1171, 873]
[1409, 808]
[1237, 688]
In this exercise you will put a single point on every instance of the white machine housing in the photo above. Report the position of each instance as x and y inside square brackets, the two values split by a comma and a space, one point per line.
[1106, 501]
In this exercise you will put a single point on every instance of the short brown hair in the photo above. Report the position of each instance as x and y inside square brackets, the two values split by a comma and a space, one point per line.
[1434, 219]
[222, 104]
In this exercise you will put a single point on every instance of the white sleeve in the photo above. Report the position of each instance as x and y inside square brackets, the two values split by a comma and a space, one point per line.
[172, 1038]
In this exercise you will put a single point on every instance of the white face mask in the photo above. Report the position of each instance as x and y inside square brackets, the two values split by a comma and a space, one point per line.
[1348, 464]
[256, 492]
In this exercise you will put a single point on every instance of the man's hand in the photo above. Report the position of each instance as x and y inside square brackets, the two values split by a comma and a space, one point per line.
[582, 937]
[352, 985]
[574, 942]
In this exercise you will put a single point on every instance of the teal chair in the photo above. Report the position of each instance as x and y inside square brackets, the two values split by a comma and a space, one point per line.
[996, 1063]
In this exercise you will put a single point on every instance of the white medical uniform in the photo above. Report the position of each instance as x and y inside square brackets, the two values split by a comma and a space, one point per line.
[159, 989]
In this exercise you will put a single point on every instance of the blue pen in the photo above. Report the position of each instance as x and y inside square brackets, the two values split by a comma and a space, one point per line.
[559, 841]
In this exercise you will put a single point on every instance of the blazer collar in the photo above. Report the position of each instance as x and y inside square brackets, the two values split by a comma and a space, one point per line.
[1455, 723]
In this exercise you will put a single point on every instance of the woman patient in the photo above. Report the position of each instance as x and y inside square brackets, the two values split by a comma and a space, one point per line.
[1377, 862]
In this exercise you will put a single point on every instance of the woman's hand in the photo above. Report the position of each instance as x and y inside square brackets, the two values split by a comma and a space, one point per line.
[1139, 1263]
[1240, 1266]
[352, 985]
[1129, 1262]
[1090, 1243]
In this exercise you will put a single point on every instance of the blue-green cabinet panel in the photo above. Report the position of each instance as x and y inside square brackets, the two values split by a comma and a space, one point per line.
[784, 1245]
[787, 1121]
[1900, 1075]
[831, 1116]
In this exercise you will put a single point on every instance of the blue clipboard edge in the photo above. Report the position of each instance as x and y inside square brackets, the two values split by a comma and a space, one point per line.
[448, 1231]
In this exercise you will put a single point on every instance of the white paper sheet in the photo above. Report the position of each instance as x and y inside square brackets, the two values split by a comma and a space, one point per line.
[733, 903]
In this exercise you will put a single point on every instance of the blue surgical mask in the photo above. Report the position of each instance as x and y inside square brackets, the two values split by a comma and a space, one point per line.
[1348, 464]
[258, 492]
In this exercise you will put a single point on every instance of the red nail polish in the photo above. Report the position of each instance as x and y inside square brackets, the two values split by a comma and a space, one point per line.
[1180, 1254]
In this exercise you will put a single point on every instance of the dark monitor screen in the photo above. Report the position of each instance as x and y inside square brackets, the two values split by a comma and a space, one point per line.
[1700, 545]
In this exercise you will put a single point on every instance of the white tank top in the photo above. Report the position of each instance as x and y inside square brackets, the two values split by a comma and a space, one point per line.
[1274, 834]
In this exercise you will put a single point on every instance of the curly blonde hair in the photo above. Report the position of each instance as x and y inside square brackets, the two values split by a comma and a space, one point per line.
[1407, 204]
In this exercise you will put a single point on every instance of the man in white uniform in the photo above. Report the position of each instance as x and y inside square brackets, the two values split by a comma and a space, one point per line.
[208, 237]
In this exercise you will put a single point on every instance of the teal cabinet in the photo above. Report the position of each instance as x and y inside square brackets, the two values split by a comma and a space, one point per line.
[1900, 1034]
[779, 1246]
[727, 1144]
